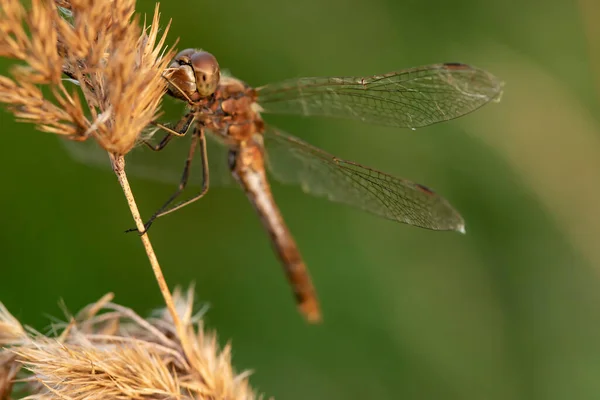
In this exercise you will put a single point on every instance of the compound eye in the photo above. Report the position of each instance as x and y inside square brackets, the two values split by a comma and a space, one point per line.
[206, 69]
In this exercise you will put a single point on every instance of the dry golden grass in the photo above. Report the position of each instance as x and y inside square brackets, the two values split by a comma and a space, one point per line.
[107, 351]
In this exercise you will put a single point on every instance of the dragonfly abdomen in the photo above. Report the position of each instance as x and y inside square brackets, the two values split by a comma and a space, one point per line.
[247, 166]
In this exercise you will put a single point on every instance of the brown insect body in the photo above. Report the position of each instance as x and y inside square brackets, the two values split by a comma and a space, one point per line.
[232, 114]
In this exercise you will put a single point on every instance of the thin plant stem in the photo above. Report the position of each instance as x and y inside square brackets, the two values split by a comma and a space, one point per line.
[118, 165]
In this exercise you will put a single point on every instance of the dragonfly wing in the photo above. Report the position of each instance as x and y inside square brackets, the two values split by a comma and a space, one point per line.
[410, 98]
[292, 161]
[164, 166]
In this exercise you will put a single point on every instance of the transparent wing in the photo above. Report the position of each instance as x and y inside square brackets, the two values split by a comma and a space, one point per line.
[163, 166]
[411, 98]
[292, 161]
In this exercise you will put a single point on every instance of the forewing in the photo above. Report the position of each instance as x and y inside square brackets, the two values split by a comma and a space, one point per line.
[292, 161]
[410, 98]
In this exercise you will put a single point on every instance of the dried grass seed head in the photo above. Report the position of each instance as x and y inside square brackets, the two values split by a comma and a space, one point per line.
[108, 351]
[100, 45]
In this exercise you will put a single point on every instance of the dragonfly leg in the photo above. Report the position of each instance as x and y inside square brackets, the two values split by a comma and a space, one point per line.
[183, 125]
[205, 181]
[198, 137]
[181, 91]
[161, 145]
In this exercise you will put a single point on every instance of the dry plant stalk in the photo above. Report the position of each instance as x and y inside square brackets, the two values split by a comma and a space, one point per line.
[107, 351]
[116, 83]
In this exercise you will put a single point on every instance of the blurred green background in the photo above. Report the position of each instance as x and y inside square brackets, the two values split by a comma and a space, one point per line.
[509, 311]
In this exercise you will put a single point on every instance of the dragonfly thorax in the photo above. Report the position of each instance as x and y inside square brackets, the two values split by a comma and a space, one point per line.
[231, 111]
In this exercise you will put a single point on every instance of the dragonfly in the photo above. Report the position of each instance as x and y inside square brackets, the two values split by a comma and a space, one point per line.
[223, 112]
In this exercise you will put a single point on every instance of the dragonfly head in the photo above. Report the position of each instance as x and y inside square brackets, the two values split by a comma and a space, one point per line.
[195, 74]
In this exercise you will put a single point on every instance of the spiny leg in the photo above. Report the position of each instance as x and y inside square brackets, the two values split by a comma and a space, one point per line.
[205, 180]
[180, 187]
[197, 137]
[181, 128]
